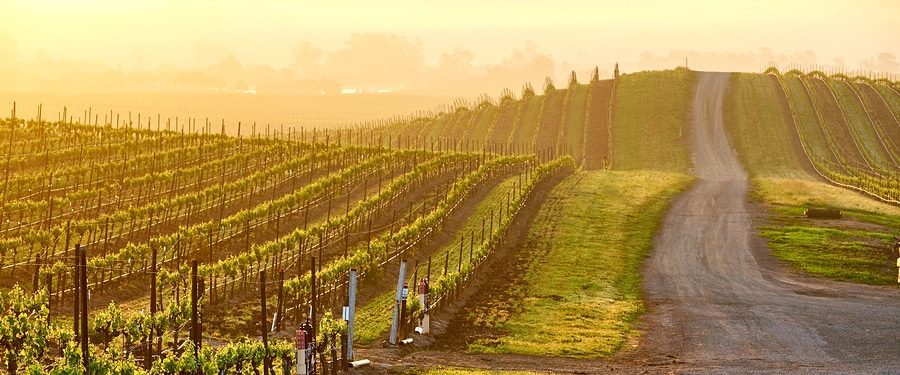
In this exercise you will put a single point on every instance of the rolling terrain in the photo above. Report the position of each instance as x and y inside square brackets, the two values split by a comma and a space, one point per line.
[639, 204]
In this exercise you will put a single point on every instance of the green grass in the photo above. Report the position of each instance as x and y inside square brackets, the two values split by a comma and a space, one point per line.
[575, 122]
[760, 129]
[652, 114]
[856, 248]
[583, 295]
[374, 318]
[842, 254]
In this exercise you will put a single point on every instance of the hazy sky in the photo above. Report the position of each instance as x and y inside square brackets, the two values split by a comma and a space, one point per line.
[205, 42]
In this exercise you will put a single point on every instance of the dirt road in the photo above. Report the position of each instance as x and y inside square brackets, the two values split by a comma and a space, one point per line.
[719, 303]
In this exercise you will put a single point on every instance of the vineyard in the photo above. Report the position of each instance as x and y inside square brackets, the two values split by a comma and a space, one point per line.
[847, 129]
[129, 248]
[202, 218]
[560, 121]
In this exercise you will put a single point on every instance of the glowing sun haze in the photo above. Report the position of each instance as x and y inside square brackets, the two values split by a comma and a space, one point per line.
[460, 47]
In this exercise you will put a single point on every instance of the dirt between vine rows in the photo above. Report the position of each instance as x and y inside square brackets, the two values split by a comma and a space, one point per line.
[717, 301]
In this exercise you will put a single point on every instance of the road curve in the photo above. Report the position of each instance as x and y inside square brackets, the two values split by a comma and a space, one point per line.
[720, 304]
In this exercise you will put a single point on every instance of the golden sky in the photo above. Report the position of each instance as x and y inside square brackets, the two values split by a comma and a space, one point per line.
[420, 45]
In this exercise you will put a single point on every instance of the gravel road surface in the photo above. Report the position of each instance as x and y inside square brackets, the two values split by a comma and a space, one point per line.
[720, 304]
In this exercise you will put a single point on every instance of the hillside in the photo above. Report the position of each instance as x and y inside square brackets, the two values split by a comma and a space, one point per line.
[839, 129]
[588, 121]
[455, 193]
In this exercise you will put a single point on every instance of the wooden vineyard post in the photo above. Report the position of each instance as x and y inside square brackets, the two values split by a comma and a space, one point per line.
[507, 203]
[321, 249]
[49, 282]
[471, 244]
[265, 331]
[306, 215]
[462, 241]
[85, 352]
[76, 293]
[334, 361]
[195, 321]
[105, 235]
[313, 298]
[482, 230]
[37, 272]
[68, 236]
[148, 361]
[491, 226]
[369, 242]
[328, 216]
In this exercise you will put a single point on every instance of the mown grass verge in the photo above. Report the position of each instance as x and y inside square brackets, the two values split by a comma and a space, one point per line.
[856, 248]
[582, 293]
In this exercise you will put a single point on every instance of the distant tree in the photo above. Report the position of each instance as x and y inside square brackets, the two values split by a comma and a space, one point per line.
[506, 95]
[527, 91]
[548, 85]
[485, 100]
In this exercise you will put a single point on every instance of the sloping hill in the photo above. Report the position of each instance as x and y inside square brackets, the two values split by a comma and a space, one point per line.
[759, 125]
[642, 115]
[795, 125]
